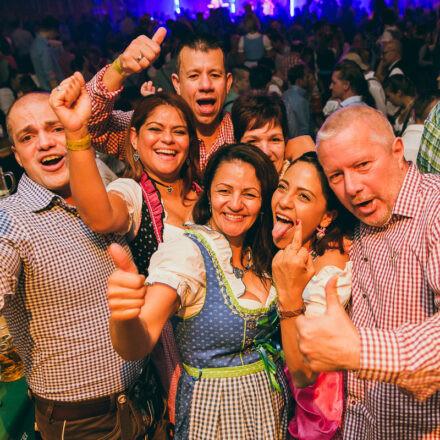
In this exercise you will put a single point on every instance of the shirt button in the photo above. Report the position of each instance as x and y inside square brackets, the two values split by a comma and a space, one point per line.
[365, 259]
[364, 295]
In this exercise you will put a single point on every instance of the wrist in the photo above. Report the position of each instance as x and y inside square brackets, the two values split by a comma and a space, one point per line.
[79, 145]
[77, 135]
[118, 67]
[290, 313]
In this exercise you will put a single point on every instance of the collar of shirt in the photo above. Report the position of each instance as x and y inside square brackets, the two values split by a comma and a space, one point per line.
[407, 203]
[34, 196]
[225, 136]
[353, 100]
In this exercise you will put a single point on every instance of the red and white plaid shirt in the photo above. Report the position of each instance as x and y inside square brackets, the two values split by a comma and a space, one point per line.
[108, 128]
[225, 136]
[396, 299]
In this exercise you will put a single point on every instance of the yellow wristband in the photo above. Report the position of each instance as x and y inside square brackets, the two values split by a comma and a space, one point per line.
[118, 67]
[83, 144]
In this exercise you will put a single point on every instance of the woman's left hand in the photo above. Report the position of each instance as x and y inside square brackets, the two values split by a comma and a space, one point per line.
[292, 269]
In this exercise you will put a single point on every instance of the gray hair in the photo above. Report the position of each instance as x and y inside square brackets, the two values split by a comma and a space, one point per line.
[381, 131]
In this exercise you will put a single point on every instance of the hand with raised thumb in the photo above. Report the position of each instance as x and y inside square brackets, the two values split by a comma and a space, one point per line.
[141, 52]
[126, 288]
[329, 342]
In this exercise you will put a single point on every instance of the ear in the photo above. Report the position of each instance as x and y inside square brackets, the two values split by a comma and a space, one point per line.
[346, 85]
[176, 82]
[17, 156]
[327, 218]
[397, 150]
[133, 137]
[228, 81]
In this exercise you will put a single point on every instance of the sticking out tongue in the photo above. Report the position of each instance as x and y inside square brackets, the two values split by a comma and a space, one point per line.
[280, 228]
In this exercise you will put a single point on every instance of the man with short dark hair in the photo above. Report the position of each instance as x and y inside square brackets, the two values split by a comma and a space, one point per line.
[240, 84]
[43, 58]
[201, 79]
[296, 99]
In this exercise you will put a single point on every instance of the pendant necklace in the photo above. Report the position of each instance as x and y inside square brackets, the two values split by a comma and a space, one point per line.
[238, 272]
[169, 188]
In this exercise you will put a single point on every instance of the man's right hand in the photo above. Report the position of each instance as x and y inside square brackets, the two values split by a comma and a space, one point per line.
[126, 288]
[141, 53]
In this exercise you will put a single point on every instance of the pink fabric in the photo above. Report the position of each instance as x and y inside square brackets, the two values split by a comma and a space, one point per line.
[318, 411]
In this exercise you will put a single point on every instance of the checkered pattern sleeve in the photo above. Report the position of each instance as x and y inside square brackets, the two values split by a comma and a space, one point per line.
[409, 356]
[10, 269]
[428, 159]
[107, 127]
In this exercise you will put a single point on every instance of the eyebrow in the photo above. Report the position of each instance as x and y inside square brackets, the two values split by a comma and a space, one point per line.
[30, 127]
[162, 125]
[244, 189]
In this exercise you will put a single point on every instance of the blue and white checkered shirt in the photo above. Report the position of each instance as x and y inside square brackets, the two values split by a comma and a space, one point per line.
[53, 279]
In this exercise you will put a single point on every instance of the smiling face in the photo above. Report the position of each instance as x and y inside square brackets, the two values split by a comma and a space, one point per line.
[203, 83]
[365, 175]
[40, 143]
[162, 143]
[235, 197]
[270, 140]
[299, 196]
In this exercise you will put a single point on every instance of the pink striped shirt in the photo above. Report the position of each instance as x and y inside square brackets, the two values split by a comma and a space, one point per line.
[396, 297]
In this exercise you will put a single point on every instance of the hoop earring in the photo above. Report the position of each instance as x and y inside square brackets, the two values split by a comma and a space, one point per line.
[135, 156]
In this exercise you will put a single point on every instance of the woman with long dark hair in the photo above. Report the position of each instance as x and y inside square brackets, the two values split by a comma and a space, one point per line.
[216, 279]
[310, 222]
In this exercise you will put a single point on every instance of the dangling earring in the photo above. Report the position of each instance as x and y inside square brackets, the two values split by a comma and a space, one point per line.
[320, 232]
[135, 156]
[209, 207]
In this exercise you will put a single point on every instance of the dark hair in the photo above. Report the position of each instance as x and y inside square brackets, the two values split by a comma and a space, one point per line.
[49, 23]
[144, 107]
[237, 71]
[296, 72]
[254, 110]
[400, 82]
[342, 225]
[259, 237]
[351, 72]
[259, 77]
[200, 42]
[422, 103]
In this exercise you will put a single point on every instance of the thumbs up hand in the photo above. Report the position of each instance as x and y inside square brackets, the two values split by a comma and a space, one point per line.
[126, 288]
[329, 342]
[141, 52]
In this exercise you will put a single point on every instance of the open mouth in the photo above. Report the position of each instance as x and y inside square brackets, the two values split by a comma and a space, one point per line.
[206, 106]
[365, 207]
[233, 217]
[166, 153]
[51, 161]
[282, 225]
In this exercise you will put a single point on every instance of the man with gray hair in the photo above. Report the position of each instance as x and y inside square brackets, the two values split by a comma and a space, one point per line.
[389, 344]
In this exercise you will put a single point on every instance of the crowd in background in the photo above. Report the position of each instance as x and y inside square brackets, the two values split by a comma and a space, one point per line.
[293, 57]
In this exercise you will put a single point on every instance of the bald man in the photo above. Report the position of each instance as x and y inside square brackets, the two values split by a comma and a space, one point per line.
[53, 278]
[389, 345]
